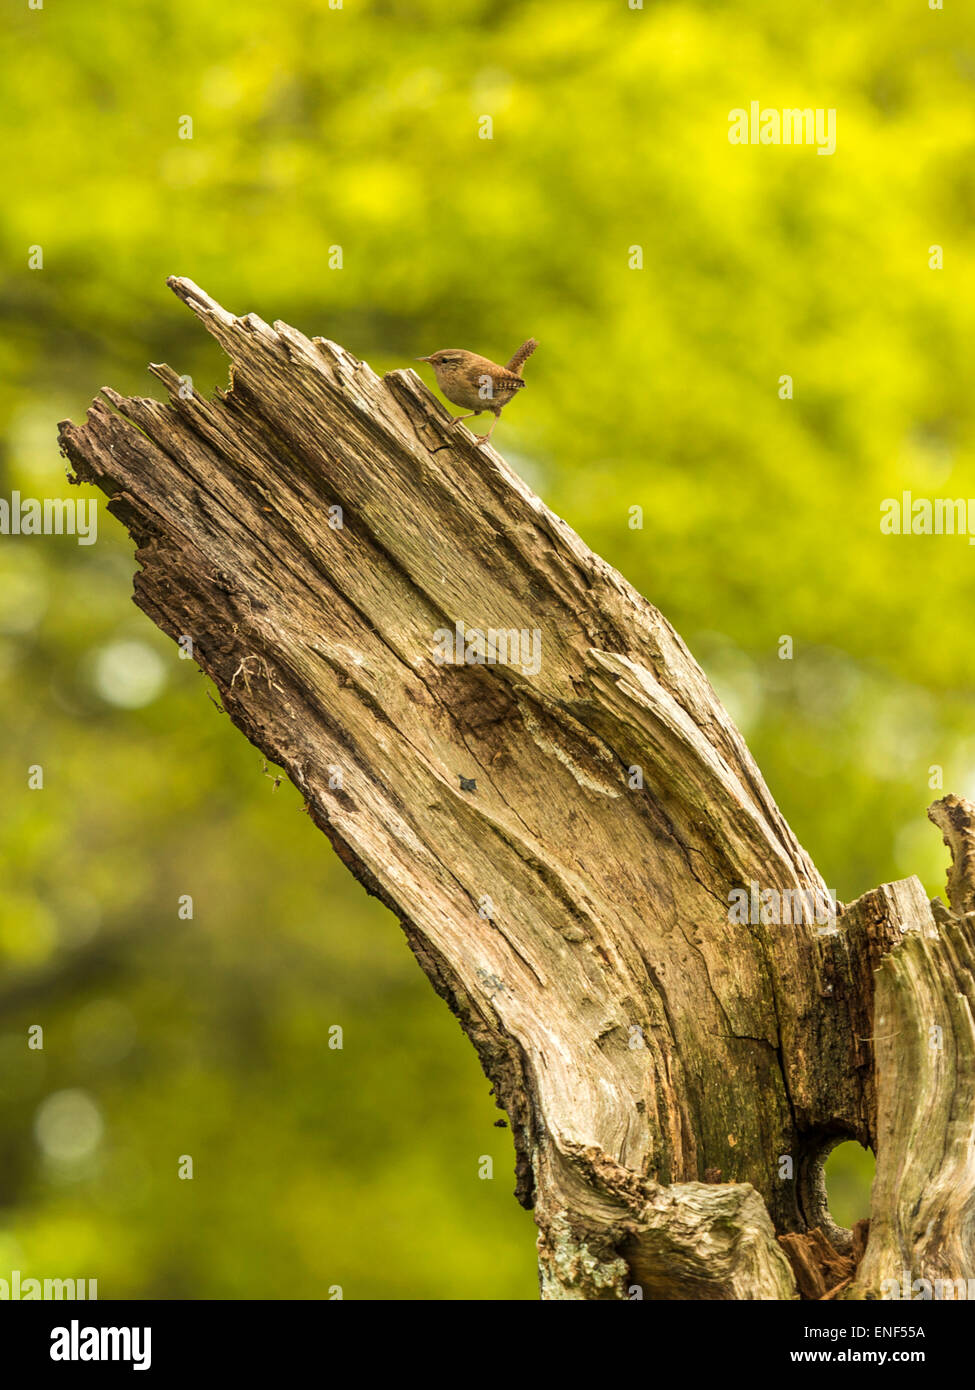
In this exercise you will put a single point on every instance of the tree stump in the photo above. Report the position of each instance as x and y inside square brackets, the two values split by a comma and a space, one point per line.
[517, 753]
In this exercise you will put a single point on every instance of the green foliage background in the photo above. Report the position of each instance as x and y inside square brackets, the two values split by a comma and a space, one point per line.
[358, 127]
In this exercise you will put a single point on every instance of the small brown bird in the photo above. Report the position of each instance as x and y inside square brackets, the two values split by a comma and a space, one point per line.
[477, 382]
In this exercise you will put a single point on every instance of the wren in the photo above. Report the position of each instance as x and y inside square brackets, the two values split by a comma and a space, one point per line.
[476, 382]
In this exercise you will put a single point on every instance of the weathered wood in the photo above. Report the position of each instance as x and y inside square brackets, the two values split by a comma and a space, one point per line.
[819, 1268]
[923, 1204]
[560, 843]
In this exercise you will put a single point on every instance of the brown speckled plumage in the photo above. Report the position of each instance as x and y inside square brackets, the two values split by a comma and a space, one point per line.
[477, 383]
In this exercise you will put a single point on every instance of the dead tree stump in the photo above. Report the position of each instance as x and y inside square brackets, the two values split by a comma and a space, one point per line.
[583, 854]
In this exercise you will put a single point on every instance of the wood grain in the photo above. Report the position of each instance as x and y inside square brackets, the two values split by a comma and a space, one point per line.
[573, 907]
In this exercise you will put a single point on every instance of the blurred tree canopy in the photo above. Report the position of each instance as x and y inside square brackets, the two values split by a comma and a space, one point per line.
[336, 177]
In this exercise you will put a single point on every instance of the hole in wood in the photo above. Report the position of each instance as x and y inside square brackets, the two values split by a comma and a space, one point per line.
[849, 1176]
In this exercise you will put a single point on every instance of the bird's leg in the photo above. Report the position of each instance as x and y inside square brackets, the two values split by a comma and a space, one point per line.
[456, 419]
[483, 438]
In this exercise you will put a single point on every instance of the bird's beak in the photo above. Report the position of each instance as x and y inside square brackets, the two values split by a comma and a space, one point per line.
[421, 359]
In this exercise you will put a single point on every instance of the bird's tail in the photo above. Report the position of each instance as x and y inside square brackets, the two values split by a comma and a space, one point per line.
[522, 356]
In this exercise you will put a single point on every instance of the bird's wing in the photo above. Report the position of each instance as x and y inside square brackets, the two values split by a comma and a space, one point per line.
[522, 355]
[506, 380]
